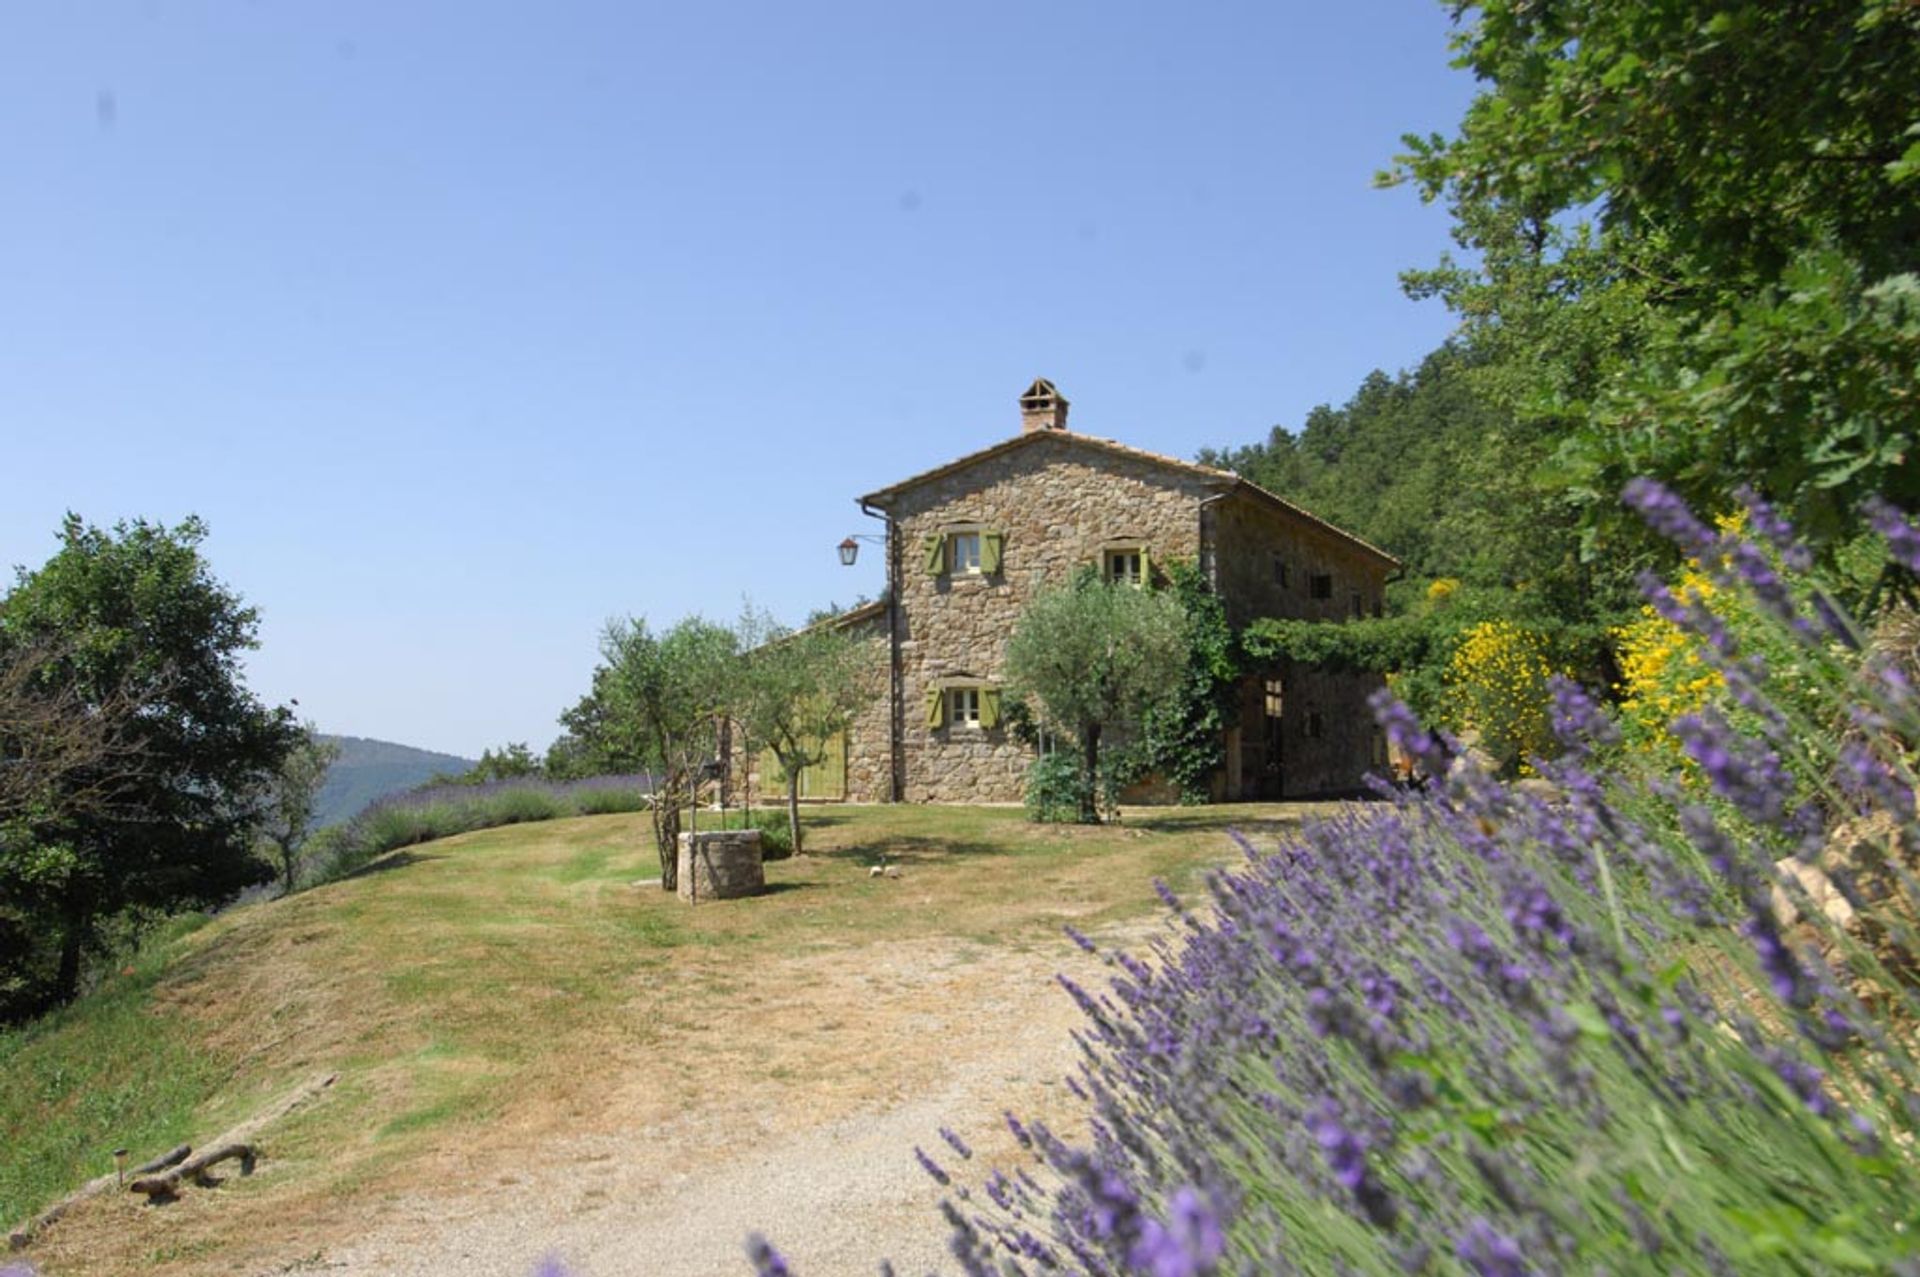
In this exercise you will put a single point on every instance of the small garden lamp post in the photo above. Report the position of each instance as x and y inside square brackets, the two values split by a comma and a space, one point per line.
[850, 548]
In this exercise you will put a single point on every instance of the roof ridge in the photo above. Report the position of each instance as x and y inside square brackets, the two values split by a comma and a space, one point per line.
[881, 496]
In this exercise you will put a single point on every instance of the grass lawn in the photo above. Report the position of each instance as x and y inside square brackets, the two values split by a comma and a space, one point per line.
[496, 980]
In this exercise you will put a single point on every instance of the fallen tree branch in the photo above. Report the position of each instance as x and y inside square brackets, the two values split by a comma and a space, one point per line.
[242, 1134]
[23, 1236]
[167, 1183]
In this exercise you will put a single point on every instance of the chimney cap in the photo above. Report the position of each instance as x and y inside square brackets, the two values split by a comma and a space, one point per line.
[1041, 392]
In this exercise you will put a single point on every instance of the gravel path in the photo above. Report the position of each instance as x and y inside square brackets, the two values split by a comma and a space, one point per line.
[948, 1036]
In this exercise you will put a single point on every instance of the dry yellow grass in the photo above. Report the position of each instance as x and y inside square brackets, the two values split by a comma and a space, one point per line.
[488, 995]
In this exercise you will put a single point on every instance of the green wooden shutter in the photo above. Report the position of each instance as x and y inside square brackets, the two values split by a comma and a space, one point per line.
[989, 708]
[990, 553]
[936, 554]
[936, 706]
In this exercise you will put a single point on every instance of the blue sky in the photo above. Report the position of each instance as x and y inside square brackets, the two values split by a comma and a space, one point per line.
[469, 325]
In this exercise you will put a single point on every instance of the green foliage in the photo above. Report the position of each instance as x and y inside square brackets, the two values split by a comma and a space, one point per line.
[1056, 789]
[794, 692]
[513, 761]
[1693, 249]
[1416, 649]
[655, 705]
[1437, 468]
[288, 804]
[1095, 656]
[134, 617]
[776, 833]
[1184, 739]
[108, 1073]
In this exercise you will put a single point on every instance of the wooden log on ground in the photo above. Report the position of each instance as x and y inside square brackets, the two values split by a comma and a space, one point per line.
[167, 1183]
[172, 1157]
[22, 1236]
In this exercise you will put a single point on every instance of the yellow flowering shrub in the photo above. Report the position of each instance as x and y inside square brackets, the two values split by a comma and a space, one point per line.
[1496, 687]
[1664, 673]
[1442, 589]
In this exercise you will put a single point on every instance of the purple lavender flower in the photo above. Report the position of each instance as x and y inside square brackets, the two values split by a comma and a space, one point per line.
[1578, 722]
[767, 1262]
[1801, 1078]
[1779, 533]
[1346, 1154]
[1866, 779]
[1189, 1244]
[1902, 536]
[1751, 777]
[1783, 970]
[549, 1266]
[932, 1167]
[955, 1142]
[1668, 515]
[1405, 734]
[1489, 1252]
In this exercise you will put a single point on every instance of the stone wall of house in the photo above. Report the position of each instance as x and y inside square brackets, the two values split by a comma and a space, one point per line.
[1256, 543]
[870, 738]
[1266, 559]
[1058, 505]
[869, 753]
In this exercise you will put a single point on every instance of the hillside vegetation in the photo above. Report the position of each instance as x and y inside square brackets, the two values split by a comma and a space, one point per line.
[480, 993]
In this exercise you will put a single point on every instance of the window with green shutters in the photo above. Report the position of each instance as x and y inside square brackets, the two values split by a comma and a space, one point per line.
[964, 552]
[990, 543]
[967, 705]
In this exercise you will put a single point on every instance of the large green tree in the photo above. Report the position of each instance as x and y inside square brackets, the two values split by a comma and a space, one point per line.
[133, 616]
[1095, 657]
[1693, 231]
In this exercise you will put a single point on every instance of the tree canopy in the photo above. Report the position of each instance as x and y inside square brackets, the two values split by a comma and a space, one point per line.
[132, 616]
[1094, 656]
[1694, 233]
[794, 692]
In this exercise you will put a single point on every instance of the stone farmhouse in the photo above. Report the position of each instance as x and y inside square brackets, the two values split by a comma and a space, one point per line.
[968, 543]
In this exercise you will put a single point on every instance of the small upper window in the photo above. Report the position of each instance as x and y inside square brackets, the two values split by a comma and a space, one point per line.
[964, 547]
[1357, 608]
[1124, 566]
[1280, 572]
[1320, 585]
[964, 706]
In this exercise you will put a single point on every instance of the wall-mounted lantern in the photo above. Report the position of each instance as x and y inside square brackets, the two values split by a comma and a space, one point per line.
[850, 548]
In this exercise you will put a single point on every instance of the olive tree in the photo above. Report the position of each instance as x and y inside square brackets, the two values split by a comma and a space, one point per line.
[796, 691]
[1097, 657]
[659, 700]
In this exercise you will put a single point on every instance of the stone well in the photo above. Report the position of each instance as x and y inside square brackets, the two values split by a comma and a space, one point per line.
[720, 865]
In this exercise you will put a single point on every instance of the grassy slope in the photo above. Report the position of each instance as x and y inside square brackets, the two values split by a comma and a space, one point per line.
[460, 975]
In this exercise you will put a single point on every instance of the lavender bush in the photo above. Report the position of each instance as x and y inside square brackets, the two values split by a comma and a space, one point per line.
[440, 811]
[1492, 1031]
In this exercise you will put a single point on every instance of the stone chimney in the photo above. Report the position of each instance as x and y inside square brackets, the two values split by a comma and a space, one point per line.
[1042, 408]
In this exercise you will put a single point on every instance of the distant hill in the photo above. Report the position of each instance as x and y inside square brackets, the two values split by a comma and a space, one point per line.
[370, 769]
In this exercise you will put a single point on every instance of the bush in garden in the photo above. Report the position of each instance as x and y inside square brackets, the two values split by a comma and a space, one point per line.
[1055, 788]
[1497, 688]
[1482, 1031]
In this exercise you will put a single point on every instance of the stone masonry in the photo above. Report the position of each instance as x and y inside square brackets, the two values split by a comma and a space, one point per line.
[1055, 501]
[720, 865]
